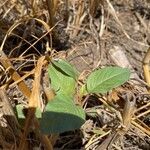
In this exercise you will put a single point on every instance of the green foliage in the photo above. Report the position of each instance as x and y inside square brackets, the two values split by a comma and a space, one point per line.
[62, 79]
[103, 80]
[61, 114]
[67, 68]
[83, 91]
[19, 111]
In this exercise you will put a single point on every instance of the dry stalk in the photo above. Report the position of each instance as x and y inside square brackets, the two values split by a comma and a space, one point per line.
[96, 37]
[22, 78]
[142, 126]
[143, 107]
[14, 75]
[79, 13]
[34, 102]
[146, 67]
[49, 92]
[92, 140]
[93, 4]
[52, 7]
[48, 32]
[66, 17]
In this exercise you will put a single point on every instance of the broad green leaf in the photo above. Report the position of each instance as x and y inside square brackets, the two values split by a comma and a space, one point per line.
[61, 115]
[38, 113]
[61, 83]
[67, 68]
[103, 80]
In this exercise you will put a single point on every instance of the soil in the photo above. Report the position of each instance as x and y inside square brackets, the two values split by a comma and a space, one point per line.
[128, 28]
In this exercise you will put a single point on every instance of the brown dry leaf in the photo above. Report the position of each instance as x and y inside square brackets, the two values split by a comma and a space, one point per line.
[114, 96]
[34, 102]
[14, 75]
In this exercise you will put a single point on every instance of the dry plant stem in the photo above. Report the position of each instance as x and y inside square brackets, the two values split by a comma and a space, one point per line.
[96, 37]
[93, 6]
[34, 102]
[107, 144]
[128, 111]
[7, 64]
[48, 32]
[34, 6]
[147, 31]
[23, 39]
[49, 92]
[146, 67]
[22, 78]
[52, 6]
[92, 140]
[8, 33]
[53, 138]
[144, 128]
[148, 104]
[102, 26]
[14, 75]
[78, 17]
[10, 8]
[144, 113]
[66, 17]
[3, 3]
[55, 5]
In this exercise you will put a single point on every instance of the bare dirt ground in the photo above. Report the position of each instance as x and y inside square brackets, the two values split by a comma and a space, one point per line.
[95, 41]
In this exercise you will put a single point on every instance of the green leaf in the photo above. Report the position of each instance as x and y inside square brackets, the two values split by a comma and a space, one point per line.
[67, 68]
[83, 91]
[38, 113]
[60, 82]
[103, 80]
[61, 115]
[19, 111]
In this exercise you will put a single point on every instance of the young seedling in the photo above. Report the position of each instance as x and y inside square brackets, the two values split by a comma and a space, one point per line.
[61, 114]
